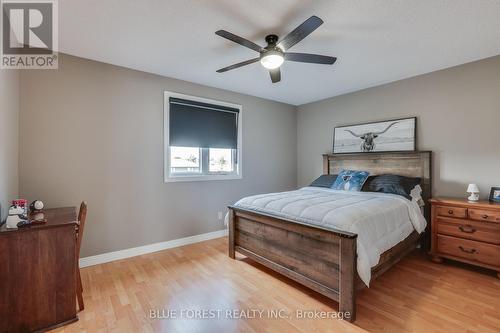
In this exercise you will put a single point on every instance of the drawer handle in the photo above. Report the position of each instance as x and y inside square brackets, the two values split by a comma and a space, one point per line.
[450, 212]
[467, 229]
[471, 251]
[485, 216]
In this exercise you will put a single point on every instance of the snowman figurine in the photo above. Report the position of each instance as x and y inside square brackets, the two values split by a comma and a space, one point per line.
[16, 215]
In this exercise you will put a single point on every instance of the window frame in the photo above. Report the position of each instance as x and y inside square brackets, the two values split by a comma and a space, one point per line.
[204, 158]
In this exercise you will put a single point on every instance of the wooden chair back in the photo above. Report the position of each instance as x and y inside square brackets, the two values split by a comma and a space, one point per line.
[82, 217]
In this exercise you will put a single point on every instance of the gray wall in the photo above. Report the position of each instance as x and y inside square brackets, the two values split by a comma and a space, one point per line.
[92, 131]
[9, 134]
[458, 112]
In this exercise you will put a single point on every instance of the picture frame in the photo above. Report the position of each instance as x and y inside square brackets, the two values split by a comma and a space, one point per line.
[379, 136]
[495, 194]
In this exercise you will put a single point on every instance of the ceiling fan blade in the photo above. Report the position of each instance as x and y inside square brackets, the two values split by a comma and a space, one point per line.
[238, 40]
[275, 75]
[310, 58]
[301, 32]
[238, 65]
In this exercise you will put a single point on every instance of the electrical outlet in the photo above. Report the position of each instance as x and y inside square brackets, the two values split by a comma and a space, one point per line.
[219, 215]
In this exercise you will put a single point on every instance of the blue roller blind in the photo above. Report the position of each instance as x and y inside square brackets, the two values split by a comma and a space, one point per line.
[196, 124]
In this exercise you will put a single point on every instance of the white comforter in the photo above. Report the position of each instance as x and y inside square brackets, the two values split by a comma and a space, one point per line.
[380, 220]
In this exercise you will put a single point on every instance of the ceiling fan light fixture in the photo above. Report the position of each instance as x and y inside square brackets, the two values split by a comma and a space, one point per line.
[276, 52]
[272, 59]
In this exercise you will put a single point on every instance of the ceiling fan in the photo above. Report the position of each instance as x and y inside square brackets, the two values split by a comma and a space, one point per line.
[274, 54]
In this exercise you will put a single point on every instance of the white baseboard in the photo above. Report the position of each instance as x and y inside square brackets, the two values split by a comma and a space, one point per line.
[137, 251]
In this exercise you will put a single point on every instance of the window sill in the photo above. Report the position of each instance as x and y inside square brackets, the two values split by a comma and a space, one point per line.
[176, 179]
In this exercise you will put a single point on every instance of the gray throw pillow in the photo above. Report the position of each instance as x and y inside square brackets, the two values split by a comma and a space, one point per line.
[324, 181]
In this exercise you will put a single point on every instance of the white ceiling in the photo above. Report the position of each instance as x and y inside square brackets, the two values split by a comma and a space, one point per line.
[376, 41]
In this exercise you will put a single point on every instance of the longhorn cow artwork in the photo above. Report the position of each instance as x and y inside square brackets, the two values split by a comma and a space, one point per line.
[393, 135]
[368, 143]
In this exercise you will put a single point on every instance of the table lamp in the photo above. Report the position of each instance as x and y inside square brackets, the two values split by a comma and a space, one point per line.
[473, 189]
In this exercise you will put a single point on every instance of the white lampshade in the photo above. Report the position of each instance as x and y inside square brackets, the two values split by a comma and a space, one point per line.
[473, 188]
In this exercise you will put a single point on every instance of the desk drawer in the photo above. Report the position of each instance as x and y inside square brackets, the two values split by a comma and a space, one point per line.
[480, 231]
[471, 250]
[457, 212]
[484, 215]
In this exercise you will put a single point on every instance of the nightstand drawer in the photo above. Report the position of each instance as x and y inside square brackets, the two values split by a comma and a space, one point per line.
[479, 231]
[484, 215]
[452, 212]
[471, 250]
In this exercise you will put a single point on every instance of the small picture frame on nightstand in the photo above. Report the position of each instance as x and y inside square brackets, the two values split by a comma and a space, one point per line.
[495, 195]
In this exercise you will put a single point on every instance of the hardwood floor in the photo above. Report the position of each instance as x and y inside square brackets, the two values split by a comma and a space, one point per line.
[415, 296]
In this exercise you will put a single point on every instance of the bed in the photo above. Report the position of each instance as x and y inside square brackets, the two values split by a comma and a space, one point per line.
[322, 256]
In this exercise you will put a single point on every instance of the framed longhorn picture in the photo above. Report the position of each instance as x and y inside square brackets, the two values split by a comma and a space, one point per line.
[382, 136]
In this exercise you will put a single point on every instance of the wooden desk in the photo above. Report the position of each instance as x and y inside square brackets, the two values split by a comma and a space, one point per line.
[38, 273]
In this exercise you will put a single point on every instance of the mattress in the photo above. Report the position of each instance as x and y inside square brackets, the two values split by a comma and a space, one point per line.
[380, 220]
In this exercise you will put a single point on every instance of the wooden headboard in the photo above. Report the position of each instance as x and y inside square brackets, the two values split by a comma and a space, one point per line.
[409, 164]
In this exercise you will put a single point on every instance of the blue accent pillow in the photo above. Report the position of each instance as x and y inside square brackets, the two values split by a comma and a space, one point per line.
[350, 180]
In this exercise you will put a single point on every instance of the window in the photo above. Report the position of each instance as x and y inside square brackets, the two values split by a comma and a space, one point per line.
[185, 160]
[202, 139]
[220, 160]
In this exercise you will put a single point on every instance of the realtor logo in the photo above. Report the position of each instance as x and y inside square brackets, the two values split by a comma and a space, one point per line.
[29, 34]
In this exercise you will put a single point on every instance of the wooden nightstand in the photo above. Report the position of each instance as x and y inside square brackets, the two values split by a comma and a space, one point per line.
[466, 232]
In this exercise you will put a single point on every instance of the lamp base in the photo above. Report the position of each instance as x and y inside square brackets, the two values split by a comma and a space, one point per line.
[474, 197]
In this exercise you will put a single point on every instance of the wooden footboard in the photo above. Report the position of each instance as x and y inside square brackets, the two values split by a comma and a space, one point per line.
[321, 259]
